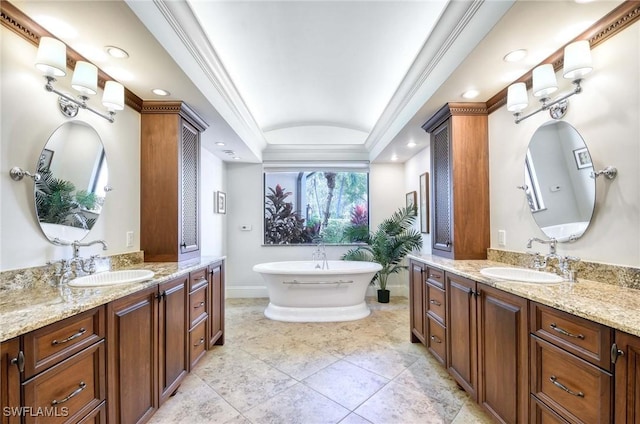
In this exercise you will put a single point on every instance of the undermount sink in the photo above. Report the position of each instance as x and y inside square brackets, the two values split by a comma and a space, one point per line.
[521, 274]
[111, 278]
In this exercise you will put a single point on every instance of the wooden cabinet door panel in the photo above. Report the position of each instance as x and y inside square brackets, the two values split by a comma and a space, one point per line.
[132, 329]
[10, 381]
[417, 316]
[173, 330]
[215, 329]
[462, 349]
[503, 355]
[627, 380]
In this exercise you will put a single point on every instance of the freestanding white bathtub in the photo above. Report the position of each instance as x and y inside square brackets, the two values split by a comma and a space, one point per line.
[300, 292]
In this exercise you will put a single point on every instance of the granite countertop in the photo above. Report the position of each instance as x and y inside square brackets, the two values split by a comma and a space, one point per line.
[24, 310]
[608, 304]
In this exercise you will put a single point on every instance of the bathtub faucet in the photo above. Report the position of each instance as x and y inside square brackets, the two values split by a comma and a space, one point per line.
[320, 255]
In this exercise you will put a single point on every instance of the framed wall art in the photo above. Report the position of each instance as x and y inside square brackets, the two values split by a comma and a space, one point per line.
[221, 202]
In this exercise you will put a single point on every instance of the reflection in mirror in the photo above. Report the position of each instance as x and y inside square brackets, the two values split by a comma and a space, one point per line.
[560, 191]
[70, 195]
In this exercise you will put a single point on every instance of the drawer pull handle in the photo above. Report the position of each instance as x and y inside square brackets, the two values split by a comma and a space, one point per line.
[200, 342]
[73, 394]
[19, 361]
[555, 381]
[435, 339]
[198, 306]
[435, 302]
[565, 332]
[68, 339]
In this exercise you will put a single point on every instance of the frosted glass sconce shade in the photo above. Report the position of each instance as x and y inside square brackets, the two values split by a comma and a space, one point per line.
[544, 80]
[52, 57]
[113, 96]
[577, 60]
[517, 98]
[85, 78]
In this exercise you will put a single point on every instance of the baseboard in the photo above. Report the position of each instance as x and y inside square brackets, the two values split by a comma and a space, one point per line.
[244, 292]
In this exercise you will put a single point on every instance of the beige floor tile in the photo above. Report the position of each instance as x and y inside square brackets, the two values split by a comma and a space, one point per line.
[297, 405]
[194, 403]
[470, 413]
[354, 418]
[398, 404]
[381, 358]
[346, 383]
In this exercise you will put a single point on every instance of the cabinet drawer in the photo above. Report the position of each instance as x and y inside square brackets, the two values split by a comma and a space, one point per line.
[197, 305]
[574, 388]
[197, 343]
[588, 340]
[436, 340]
[435, 302]
[68, 391]
[97, 416]
[198, 278]
[435, 276]
[542, 414]
[51, 344]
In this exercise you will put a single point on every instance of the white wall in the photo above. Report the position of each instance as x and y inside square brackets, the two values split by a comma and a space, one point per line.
[413, 168]
[245, 203]
[29, 116]
[212, 225]
[606, 114]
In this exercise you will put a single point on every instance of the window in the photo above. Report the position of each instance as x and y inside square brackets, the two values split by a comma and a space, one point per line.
[307, 206]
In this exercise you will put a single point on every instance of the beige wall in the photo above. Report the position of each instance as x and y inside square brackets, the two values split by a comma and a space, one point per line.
[606, 114]
[29, 116]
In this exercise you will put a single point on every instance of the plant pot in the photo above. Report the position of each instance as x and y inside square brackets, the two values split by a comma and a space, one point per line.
[383, 296]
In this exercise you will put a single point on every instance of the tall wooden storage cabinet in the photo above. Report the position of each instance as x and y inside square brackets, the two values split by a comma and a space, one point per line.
[170, 181]
[460, 180]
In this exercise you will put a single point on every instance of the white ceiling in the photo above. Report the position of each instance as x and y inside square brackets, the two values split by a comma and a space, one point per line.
[317, 79]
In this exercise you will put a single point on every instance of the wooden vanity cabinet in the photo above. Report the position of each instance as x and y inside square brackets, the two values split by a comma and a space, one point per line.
[435, 314]
[459, 189]
[173, 329]
[571, 369]
[169, 181]
[416, 301]
[626, 355]
[200, 307]
[10, 353]
[487, 334]
[132, 357]
[215, 329]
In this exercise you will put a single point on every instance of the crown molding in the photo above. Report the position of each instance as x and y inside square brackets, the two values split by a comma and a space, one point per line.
[611, 24]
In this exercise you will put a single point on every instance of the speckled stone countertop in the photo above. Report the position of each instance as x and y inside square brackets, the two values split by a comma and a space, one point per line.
[26, 309]
[615, 306]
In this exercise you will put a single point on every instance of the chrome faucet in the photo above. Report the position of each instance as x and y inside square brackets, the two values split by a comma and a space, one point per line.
[552, 242]
[320, 255]
[70, 267]
[76, 245]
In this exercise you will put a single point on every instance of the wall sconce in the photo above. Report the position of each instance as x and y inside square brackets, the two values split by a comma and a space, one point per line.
[577, 63]
[52, 61]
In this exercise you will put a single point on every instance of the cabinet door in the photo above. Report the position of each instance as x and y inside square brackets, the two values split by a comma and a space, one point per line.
[503, 355]
[462, 349]
[416, 305]
[627, 379]
[189, 189]
[132, 328]
[216, 305]
[173, 331]
[442, 229]
[10, 380]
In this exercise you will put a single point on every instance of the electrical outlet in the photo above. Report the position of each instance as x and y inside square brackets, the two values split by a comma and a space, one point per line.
[502, 238]
[129, 238]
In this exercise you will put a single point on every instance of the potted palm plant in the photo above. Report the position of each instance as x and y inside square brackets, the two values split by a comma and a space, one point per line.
[388, 246]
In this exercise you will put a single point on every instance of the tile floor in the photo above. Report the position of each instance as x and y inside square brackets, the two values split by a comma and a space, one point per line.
[356, 372]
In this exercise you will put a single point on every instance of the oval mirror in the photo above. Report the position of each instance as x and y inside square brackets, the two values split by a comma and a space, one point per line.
[71, 190]
[557, 175]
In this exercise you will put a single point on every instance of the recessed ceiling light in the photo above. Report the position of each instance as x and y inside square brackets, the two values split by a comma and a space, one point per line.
[394, 157]
[411, 144]
[236, 157]
[116, 52]
[470, 94]
[160, 92]
[220, 143]
[515, 55]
